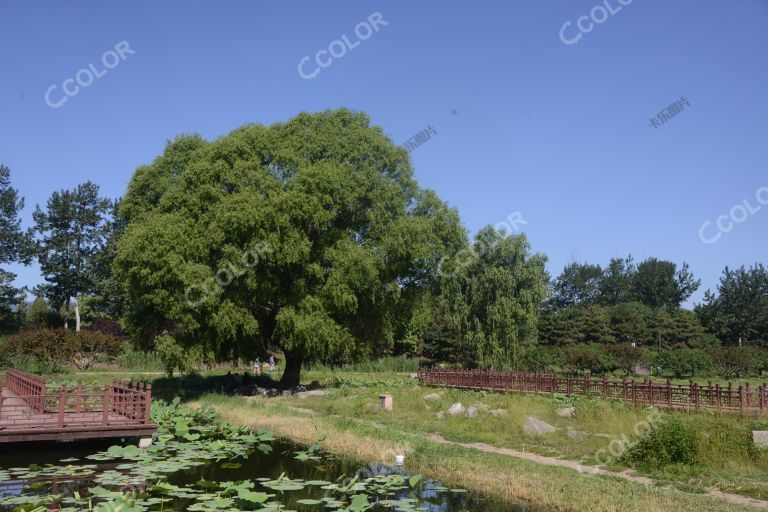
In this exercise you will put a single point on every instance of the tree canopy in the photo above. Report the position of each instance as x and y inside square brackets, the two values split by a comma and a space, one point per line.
[738, 313]
[15, 244]
[493, 296]
[311, 236]
[70, 231]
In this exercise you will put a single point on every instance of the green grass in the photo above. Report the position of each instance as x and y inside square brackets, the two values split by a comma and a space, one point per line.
[401, 364]
[725, 455]
[539, 487]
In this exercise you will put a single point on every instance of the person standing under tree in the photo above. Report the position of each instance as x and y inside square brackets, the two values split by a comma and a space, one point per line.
[271, 363]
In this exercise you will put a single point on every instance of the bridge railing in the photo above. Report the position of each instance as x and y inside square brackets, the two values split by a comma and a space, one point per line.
[743, 399]
[35, 404]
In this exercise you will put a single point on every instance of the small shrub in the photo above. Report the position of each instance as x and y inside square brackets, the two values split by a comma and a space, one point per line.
[49, 349]
[667, 443]
[175, 357]
[137, 360]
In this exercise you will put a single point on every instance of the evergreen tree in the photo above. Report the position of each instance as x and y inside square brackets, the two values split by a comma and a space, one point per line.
[69, 233]
[15, 245]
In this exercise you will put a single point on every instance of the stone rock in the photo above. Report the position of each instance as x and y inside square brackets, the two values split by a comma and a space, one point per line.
[441, 415]
[287, 392]
[471, 411]
[414, 375]
[314, 392]
[433, 396]
[481, 407]
[498, 413]
[456, 409]
[760, 438]
[577, 434]
[565, 412]
[536, 427]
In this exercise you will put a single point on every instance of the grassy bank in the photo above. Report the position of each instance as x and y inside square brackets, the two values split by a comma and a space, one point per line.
[538, 487]
[726, 459]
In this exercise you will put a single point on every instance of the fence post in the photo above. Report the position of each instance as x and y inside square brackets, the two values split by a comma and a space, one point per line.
[79, 391]
[669, 393]
[43, 393]
[605, 385]
[730, 394]
[761, 390]
[650, 391]
[148, 404]
[105, 405]
[624, 388]
[718, 398]
[749, 398]
[62, 406]
[741, 399]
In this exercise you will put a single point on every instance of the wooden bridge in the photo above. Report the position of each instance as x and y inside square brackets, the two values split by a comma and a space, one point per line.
[741, 399]
[31, 411]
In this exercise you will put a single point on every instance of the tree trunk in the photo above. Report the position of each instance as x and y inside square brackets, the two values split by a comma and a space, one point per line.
[292, 373]
[77, 315]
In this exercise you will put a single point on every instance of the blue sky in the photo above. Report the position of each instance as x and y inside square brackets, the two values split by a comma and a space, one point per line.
[525, 123]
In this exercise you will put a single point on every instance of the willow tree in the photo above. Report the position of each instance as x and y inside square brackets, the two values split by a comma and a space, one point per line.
[492, 293]
[311, 236]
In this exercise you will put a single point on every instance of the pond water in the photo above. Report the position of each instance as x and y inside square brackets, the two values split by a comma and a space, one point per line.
[301, 480]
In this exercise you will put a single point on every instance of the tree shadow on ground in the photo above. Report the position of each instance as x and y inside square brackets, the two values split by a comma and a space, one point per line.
[192, 386]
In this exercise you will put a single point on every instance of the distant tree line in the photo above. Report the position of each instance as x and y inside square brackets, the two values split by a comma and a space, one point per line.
[354, 261]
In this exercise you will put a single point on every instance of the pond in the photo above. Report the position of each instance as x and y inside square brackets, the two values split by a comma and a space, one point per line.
[199, 464]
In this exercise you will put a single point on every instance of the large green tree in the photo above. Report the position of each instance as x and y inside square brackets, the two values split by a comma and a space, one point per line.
[493, 296]
[70, 231]
[578, 285]
[616, 282]
[15, 244]
[311, 236]
[738, 313]
[659, 284]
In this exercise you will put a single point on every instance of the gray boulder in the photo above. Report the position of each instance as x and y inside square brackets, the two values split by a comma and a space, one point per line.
[433, 396]
[456, 409]
[577, 434]
[565, 412]
[471, 411]
[760, 438]
[441, 415]
[498, 413]
[313, 392]
[536, 427]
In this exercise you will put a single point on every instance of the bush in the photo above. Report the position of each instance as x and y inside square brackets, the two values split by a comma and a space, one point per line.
[175, 357]
[684, 362]
[738, 361]
[383, 364]
[50, 349]
[138, 360]
[666, 443]
[542, 359]
[591, 358]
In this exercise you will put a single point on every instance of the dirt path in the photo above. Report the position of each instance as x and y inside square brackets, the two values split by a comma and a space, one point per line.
[571, 464]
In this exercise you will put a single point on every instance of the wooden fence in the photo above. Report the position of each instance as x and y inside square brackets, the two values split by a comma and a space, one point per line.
[743, 399]
[29, 403]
